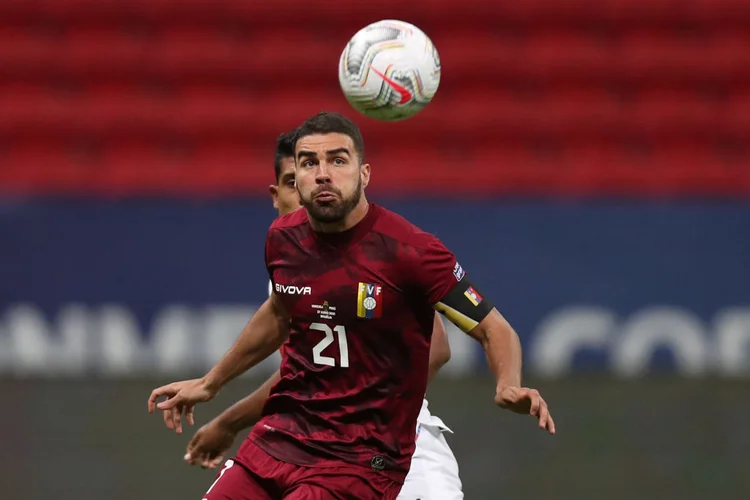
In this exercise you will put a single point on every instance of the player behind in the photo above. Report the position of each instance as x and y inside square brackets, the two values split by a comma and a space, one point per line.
[434, 470]
[354, 290]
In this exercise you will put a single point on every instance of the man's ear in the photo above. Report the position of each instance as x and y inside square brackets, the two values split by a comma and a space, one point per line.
[274, 190]
[365, 169]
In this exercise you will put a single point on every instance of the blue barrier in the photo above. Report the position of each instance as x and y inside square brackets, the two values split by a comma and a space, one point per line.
[627, 287]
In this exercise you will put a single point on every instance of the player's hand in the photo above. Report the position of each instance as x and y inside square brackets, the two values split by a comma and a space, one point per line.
[181, 399]
[209, 444]
[527, 402]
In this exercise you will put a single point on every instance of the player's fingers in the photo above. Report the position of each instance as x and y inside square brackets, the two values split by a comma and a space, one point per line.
[551, 425]
[191, 445]
[198, 453]
[216, 462]
[543, 415]
[189, 414]
[172, 401]
[175, 412]
[168, 421]
[206, 459]
[535, 401]
[194, 452]
[177, 415]
[165, 390]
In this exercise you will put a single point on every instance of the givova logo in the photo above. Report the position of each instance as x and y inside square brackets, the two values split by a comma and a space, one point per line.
[293, 290]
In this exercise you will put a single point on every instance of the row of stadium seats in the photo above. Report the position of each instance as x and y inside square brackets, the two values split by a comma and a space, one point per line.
[570, 96]
[208, 54]
[233, 168]
[326, 12]
[479, 113]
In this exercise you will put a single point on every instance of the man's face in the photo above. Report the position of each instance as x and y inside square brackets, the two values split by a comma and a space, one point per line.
[284, 194]
[330, 179]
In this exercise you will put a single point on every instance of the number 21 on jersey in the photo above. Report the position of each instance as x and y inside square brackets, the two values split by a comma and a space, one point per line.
[318, 357]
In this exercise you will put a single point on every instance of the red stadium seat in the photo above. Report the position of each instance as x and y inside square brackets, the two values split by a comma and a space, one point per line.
[537, 96]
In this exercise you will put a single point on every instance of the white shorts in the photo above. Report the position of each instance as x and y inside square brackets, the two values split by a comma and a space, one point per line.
[434, 471]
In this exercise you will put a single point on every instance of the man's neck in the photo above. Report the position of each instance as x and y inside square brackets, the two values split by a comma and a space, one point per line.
[352, 219]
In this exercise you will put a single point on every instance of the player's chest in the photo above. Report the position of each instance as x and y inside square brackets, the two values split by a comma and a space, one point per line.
[336, 291]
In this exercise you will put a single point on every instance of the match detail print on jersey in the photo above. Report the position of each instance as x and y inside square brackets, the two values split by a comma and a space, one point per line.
[369, 300]
[464, 306]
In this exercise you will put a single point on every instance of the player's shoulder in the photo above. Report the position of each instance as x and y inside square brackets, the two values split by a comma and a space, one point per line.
[290, 220]
[398, 228]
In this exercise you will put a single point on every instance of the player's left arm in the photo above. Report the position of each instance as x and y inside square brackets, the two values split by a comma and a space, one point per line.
[449, 289]
[476, 316]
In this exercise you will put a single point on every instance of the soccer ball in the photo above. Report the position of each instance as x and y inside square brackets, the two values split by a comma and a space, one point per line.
[389, 70]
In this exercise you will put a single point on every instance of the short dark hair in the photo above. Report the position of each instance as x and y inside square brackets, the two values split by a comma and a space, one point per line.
[284, 149]
[327, 122]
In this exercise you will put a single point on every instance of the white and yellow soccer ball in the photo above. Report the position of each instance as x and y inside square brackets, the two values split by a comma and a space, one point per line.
[389, 70]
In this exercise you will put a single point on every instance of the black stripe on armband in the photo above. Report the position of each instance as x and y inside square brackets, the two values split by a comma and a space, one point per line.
[465, 306]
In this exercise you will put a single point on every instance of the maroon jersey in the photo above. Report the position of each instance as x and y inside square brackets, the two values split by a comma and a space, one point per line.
[354, 370]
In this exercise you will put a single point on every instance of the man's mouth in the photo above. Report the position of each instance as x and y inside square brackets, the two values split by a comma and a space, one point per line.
[325, 196]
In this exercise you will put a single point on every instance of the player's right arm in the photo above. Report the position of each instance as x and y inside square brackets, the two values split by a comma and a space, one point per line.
[263, 335]
[440, 349]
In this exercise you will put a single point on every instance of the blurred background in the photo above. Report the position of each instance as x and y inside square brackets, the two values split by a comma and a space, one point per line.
[586, 160]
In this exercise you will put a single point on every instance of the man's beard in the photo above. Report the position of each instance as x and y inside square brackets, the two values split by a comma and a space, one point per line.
[334, 210]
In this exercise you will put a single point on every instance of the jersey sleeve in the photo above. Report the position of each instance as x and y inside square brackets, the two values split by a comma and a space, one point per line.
[445, 284]
[269, 257]
[436, 270]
